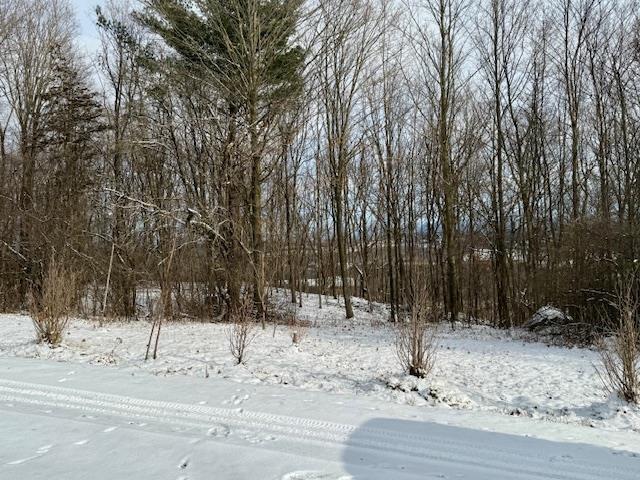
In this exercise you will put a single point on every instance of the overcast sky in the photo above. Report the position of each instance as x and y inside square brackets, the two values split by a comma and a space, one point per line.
[86, 18]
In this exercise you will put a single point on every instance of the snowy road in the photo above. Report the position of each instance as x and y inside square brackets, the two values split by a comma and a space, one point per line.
[92, 422]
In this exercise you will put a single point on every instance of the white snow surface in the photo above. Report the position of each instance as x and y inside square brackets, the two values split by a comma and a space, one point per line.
[108, 424]
[344, 375]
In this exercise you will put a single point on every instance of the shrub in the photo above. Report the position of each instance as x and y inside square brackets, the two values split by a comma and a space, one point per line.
[241, 331]
[52, 305]
[620, 355]
[297, 328]
[416, 339]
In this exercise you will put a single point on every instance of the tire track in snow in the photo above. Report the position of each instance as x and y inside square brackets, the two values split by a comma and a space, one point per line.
[294, 429]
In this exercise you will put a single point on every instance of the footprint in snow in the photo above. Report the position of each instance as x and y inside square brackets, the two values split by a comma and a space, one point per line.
[256, 438]
[137, 424]
[184, 463]
[236, 400]
[219, 431]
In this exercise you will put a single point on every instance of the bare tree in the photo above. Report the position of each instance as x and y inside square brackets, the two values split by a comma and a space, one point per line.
[499, 41]
[121, 50]
[441, 57]
[26, 75]
[350, 32]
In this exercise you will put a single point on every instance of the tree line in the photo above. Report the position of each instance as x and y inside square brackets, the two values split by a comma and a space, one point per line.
[483, 151]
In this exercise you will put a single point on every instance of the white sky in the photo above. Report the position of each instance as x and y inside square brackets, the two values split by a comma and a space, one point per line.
[86, 18]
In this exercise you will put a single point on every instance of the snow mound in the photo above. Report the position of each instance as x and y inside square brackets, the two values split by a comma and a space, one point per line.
[434, 393]
[546, 318]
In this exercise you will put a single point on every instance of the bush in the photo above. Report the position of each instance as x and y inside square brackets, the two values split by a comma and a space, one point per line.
[52, 305]
[621, 354]
[416, 340]
[297, 328]
[241, 331]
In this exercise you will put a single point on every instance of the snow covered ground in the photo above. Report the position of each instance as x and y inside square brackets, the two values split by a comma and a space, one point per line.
[343, 375]
[75, 422]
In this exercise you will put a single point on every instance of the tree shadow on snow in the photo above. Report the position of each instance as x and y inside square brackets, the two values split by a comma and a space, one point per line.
[390, 449]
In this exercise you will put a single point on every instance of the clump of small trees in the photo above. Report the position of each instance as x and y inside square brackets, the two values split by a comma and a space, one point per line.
[52, 304]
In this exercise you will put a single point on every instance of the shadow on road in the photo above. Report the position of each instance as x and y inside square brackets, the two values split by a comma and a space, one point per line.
[390, 449]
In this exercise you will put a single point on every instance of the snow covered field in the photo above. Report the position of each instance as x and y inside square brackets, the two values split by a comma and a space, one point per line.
[344, 375]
